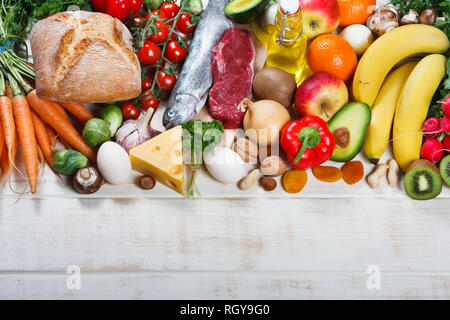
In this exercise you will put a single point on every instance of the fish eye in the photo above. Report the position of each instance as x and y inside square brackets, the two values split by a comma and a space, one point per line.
[171, 114]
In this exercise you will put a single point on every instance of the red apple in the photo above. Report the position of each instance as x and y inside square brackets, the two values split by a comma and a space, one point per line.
[321, 95]
[319, 17]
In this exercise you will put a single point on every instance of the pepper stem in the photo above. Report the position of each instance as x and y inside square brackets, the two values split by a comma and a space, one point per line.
[309, 137]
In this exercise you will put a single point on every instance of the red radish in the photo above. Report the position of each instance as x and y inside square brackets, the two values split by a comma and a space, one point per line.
[446, 106]
[432, 126]
[445, 124]
[432, 150]
[446, 143]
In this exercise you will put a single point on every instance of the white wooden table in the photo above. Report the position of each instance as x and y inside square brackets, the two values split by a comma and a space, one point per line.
[261, 249]
[232, 249]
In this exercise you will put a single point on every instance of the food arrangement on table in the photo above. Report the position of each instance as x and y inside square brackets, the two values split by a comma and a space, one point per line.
[240, 98]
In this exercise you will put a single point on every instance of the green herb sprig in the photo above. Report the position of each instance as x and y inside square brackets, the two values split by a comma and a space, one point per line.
[200, 137]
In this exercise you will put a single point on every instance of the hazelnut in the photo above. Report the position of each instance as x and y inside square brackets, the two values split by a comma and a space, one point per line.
[246, 149]
[273, 166]
[342, 137]
[147, 182]
[268, 184]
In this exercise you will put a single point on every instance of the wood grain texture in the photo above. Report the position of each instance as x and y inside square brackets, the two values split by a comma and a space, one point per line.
[212, 235]
[223, 286]
[312, 248]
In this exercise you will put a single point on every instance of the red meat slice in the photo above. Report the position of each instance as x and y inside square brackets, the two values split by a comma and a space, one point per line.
[232, 69]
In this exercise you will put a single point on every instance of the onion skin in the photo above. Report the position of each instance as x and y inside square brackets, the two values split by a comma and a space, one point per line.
[264, 121]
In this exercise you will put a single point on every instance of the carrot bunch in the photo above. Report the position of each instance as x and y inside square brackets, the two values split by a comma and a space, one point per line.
[35, 124]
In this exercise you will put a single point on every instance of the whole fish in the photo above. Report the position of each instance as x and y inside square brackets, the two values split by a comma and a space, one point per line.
[191, 90]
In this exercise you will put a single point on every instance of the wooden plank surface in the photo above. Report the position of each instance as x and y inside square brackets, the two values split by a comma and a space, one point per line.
[192, 247]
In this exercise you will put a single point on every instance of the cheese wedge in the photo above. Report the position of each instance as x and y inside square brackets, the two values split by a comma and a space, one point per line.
[162, 158]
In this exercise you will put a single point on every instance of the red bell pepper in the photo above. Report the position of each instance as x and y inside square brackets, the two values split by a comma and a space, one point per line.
[307, 142]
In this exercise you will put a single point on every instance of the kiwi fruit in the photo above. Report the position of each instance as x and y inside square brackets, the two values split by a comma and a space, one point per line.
[445, 170]
[423, 180]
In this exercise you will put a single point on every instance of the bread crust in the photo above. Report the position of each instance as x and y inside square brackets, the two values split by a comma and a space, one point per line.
[84, 57]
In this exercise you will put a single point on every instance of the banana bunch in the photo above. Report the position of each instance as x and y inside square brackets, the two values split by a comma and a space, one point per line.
[403, 97]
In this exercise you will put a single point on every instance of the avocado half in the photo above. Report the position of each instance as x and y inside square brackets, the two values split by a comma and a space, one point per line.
[353, 120]
[245, 11]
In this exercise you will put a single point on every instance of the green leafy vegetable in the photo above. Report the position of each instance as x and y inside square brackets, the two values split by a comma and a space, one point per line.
[18, 17]
[95, 132]
[200, 137]
[442, 6]
[67, 162]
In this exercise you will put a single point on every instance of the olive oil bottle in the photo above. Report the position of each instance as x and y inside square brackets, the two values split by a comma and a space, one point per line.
[287, 45]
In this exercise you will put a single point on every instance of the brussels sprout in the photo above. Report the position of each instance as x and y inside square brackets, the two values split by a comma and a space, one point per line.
[95, 132]
[153, 4]
[113, 117]
[67, 162]
[195, 6]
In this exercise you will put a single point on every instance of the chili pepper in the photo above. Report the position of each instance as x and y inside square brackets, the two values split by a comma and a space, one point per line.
[307, 142]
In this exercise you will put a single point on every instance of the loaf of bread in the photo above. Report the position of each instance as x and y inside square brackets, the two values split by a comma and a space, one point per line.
[84, 57]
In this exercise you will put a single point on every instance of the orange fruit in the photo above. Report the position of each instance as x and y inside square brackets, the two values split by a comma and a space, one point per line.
[355, 11]
[332, 54]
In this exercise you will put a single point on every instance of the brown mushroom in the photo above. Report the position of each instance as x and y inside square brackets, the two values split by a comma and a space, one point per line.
[428, 16]
[383, 20]
[411, 18]
[87, 180]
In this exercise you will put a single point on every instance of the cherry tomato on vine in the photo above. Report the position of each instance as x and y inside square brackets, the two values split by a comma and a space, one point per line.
[119, 9]
[184, 23]
[170, 9]
[150, 53]
[162, 33]
[98, 4]
[130, 111]
[174, 52]
[148, 101]
[173, 36]
[135, 5]
[147, 83]
[157, 13]
[166, 81]
[139, 20]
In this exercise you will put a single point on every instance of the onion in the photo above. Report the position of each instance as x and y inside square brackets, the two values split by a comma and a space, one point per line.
[264, 120]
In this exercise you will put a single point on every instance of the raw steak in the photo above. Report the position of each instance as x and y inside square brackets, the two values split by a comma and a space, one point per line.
[232, 69]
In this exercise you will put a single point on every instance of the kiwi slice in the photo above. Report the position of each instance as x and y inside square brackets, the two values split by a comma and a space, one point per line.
[445, 170]
[423, 180]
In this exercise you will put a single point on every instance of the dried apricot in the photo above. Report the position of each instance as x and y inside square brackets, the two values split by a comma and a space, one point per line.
[327, 174]
[294, 181]
[353, 172]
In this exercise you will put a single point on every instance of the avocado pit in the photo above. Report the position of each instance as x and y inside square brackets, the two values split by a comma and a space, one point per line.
[342, 137]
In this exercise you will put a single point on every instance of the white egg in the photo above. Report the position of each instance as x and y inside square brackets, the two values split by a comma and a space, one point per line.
[226, 166]
[114, 163]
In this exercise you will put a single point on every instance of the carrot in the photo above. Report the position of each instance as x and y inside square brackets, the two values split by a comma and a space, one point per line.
[51, 134]
[27, 138]
[64, 114]
[40, 155]
[60, 110]
[9, 92]
[42, 138]
[53, 117]
[6, 161]
[8, 125]
[2, 141]
[78, 110]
